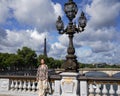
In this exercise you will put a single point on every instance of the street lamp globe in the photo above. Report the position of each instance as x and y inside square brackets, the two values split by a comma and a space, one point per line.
[59, 24]
[70, 9]
[82, 21]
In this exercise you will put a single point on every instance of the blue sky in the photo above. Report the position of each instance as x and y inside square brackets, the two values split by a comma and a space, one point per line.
[28, 22]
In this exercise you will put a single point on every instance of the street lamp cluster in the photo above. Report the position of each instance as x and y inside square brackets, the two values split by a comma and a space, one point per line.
[71, 9]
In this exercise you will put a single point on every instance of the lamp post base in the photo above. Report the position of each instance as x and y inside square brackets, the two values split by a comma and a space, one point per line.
[69, 84]
[70, 66]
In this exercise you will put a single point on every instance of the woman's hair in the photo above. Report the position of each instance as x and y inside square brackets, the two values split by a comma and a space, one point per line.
[42, 59]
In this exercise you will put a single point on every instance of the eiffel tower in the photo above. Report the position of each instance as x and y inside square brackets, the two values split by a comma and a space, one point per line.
[45, 48]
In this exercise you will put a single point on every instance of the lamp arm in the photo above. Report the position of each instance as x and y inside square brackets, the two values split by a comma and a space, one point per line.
[62, 32]
[79, 29]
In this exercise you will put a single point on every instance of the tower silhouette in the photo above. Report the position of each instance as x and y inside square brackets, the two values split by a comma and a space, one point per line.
[45, 48]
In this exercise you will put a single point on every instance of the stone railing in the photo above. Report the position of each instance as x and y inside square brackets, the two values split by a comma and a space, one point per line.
[88, 86]
[23, 85]
[100, 86]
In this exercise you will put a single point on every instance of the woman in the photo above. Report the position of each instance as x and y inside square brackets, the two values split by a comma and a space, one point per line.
[42, 78]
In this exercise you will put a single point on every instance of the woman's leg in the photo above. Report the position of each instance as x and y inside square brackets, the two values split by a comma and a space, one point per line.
[44, 87]
[40, 90]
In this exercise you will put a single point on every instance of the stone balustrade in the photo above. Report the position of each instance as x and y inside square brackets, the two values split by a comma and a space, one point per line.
[88, 86]
[104, 88]
[101, 86]
[24, 85]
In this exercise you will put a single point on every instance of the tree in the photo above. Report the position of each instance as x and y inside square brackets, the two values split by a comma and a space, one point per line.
[15, 62]
[51, 62]
[29, 57]
[82, 65]
[3, 59]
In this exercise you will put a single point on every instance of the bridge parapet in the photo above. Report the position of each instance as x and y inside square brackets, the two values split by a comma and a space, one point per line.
[27, 86]
[101, 86]
[24, 85]
[100, 69]
[109, 71]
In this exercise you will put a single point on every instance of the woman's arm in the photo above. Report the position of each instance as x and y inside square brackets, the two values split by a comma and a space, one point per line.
[37, 75]
[46, 72]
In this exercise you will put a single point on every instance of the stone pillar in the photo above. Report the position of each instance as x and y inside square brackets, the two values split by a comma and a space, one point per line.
[69, 84]
[57, 88]
[83, 88]
[4, 85]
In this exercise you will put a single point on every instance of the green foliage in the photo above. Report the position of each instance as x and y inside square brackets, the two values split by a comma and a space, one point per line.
[28, 56]
[14, 61]
[3, 60]
[51, 62]
[103, 65]
[25, 58]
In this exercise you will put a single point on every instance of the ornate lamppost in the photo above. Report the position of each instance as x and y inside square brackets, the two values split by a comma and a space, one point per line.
[71, 9]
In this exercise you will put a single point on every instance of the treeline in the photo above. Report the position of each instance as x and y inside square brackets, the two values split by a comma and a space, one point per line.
[25, 59]
[100, 65]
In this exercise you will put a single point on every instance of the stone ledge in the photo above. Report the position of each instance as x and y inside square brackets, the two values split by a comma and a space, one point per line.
[14, 93]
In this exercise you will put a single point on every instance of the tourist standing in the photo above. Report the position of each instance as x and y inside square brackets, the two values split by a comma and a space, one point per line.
[42, 78]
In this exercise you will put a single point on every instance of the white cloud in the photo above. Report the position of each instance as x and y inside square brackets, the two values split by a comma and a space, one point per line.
[63, 39]
[29, 38]
[99, 40]
[59, 49]
[110, 57]
[41, 14]
[3, 11]
[103, 12]
[100, 36]
[83, 52]
[58, 9]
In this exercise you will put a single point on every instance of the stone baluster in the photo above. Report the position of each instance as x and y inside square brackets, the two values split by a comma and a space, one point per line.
[12, 85]
[111, 91]
[97, 90]
[16, 85]
[37, 87]
[104, 91]
[118, 90]
[24, 85]
[20, 85]
[91, 90]
[33, 86]
[29, 86]
[53, 86]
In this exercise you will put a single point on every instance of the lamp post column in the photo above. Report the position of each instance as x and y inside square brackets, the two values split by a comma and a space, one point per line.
[69, 83]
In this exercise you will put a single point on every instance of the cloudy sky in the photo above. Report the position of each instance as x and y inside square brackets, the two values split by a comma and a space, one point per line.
[28, 22]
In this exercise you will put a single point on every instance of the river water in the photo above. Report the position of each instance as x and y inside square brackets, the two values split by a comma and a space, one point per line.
[101, 74]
